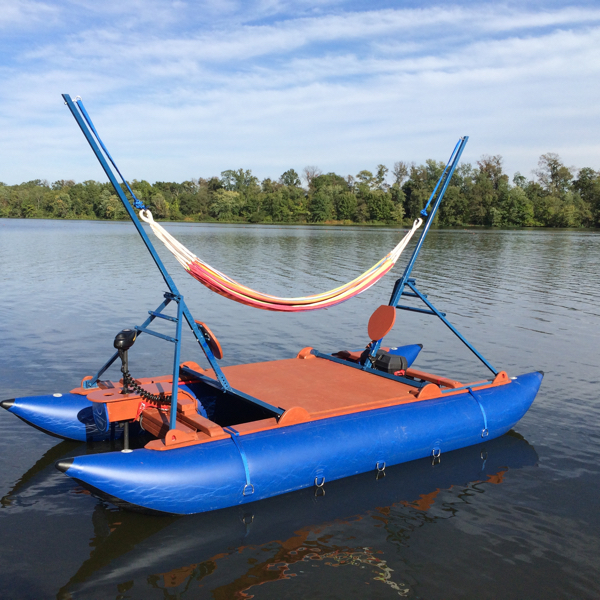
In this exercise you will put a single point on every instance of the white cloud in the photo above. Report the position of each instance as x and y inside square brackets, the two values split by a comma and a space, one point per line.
[345, 90]
[26, 14]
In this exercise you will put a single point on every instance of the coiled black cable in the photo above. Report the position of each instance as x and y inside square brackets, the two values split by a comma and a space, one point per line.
[129, 381]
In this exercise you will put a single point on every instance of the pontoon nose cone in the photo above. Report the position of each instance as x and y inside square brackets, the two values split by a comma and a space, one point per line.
[63, 465]
[7, 404]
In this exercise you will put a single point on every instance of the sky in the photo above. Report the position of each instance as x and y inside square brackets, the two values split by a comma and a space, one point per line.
[181, 90]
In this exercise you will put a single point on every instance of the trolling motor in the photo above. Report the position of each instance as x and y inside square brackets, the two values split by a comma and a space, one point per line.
[123, 341]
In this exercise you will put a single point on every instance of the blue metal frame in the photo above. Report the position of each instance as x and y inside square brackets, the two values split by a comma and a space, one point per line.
[406, 280]
[445, 178]
[89, 131]
[434, 311]
[93, 382]
[175, 386]
[87, 127]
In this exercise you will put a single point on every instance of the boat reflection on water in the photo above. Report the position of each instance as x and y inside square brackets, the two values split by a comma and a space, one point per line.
[233, 550]
[39, 480]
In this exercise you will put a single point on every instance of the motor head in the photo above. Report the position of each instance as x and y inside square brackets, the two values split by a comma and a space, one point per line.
[125, 339]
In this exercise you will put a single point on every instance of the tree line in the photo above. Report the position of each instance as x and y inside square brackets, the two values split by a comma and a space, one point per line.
[481, 194]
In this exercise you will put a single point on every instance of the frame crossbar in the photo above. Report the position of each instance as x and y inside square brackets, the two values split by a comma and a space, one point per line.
[434, 311]
[346, 363]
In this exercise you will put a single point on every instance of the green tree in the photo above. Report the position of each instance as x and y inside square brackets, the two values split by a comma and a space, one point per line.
[415, 191]
[329, 180]
[553, 175]
[290, 179]
[517, 210]
[59, 185]
[380, 182]
[158, 205]
[553, 197]
[365, 181]
[398, 197]
[296, 202]
[400, 172]
[62, 205]
[489, 192]
[587, 186]
[239, 181]
[380, 206]
[4, 201]
[226, 205]
[111, 206]
[346, 206]
[321, 205]
[276, 205]
[420, 185]
[454, 208]
[520, 180]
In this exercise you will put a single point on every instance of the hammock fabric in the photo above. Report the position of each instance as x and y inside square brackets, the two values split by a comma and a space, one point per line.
[229, 288]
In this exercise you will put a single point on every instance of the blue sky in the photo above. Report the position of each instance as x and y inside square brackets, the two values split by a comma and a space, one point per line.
[180, 90]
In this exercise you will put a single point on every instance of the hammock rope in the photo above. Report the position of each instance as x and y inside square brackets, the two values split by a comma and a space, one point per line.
[229, 288]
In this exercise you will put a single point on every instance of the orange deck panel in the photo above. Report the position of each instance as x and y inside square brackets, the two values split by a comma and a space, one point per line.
[317, 385]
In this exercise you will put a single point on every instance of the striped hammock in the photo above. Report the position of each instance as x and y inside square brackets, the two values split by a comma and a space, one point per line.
[229, 288]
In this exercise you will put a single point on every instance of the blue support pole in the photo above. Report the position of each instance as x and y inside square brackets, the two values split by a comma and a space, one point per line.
[175, 387]
[405, 280]
[444, 180]
[446, 176]
[92, 142]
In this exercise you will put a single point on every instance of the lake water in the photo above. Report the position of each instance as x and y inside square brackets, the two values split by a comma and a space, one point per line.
[517, 517]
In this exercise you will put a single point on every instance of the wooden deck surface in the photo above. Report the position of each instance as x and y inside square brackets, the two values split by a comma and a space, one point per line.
[319, 386]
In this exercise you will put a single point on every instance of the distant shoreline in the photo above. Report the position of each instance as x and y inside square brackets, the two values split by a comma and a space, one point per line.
[320, 225]
[479, 195]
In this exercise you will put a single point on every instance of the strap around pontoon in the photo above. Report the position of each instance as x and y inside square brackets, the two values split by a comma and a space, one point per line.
[235, 434]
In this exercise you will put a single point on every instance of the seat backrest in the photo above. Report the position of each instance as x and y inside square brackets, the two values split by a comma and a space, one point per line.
[381, 322]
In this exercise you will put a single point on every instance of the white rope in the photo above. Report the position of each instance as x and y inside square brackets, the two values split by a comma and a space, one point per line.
[181, 253]
[397, 251]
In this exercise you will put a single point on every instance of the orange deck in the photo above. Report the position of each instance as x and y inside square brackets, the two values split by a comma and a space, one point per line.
[319, 386]
[307, 388]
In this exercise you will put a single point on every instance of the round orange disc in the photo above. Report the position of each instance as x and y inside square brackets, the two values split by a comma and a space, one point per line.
[211, 340]
[381, 322]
